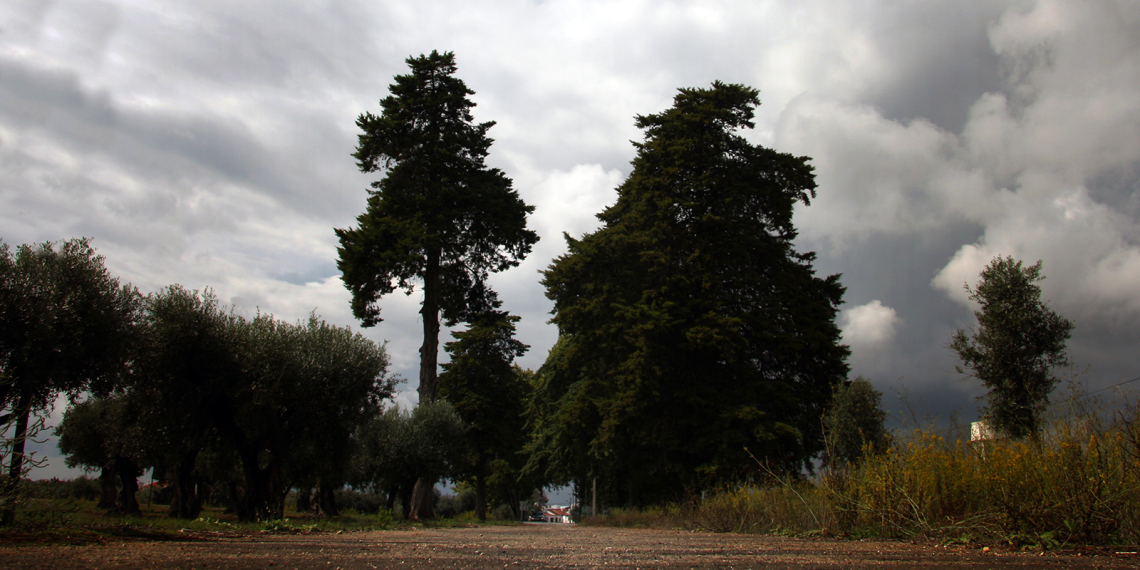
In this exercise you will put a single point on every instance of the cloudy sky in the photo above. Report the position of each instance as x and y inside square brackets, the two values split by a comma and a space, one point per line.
[208, 143]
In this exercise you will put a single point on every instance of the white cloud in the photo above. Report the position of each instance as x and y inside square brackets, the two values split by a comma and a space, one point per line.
[869, 327]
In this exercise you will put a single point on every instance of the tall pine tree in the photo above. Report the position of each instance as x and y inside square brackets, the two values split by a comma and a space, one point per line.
[439, 216]
[692, 332]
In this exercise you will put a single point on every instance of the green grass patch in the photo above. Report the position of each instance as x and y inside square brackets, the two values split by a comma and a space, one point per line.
[71, 521]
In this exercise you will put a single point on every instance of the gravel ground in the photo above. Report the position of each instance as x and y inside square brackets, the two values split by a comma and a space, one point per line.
[535, 546]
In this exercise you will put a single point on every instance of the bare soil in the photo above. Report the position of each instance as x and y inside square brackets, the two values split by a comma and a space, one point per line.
[532, 546]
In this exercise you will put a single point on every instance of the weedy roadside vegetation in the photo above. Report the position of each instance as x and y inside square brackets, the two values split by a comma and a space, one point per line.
[1078, 482]
[66, 512]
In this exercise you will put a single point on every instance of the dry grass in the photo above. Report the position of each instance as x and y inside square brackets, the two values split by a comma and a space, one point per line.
[1079, 482]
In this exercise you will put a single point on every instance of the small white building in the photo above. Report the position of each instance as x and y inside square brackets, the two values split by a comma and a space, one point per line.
[556, 514]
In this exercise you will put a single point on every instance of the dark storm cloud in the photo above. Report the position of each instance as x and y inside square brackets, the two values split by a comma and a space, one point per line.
[940, 58]
[1042, 167]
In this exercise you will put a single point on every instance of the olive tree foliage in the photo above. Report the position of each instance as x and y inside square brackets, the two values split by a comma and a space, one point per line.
[690, 328]
[1018, 343]
[306, 387]
[100, 434]
[854, 423]
[66, 326]
[282, 398]
[489, 394]
[397, 448]
[187, 370]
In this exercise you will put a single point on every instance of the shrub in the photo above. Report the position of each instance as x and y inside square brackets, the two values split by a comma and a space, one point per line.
[1078, 481]
[503, 513]
[364, 503]
[81, 488]
[854, 423]
[451, 506]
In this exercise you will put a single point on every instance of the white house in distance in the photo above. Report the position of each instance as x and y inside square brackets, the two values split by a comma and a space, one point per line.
[556, 514]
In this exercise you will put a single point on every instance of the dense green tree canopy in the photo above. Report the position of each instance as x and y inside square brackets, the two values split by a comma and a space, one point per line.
[1018, 343]
[489, 393]
[100, 434]
[855, 422]
[187, 370]
[690, 327]
[439, 215]
[303, 386]
[66, 326]
[283, 398]
[398, 447]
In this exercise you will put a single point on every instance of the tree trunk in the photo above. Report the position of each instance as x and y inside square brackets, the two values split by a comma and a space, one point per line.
[304, 499]
[429, 352]
[421, 508]
[481, 496]
[185, 504]
[594, 499]
[421, 499]
[262, 499]
[326, 495]
[128, 472]
[16, 467]
[407, 490]
[108, 489]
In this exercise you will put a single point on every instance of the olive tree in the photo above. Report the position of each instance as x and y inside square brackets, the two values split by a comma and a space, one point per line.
[854, 423]
[1018, 343]
[400, 447]
[66, 326]
[303, 387]
[98, 434]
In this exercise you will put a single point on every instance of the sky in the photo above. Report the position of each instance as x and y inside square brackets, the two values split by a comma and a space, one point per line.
[209, 144]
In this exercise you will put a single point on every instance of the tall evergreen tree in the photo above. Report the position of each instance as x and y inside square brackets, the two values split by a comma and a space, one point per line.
[488, 393]
[690, 327]
[439, 215]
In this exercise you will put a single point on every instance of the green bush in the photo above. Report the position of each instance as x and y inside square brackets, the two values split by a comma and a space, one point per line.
[451, 506]
[503, 513]
[364, 503]
[81, 488]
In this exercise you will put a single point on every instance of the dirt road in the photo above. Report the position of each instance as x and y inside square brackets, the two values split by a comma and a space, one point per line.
[531, 546]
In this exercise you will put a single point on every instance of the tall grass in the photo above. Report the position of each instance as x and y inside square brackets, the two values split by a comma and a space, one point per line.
[1075, 483]
[1079, 481]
